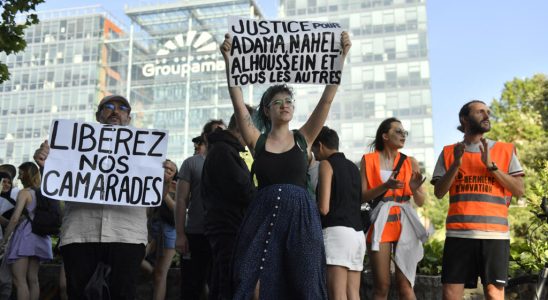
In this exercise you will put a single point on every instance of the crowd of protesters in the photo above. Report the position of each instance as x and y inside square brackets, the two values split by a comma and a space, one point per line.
[250, 223]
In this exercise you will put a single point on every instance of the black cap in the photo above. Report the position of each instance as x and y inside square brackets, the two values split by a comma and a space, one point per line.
[198, 140]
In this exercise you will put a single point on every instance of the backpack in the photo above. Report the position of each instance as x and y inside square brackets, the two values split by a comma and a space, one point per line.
[47, 215]
[301, 143]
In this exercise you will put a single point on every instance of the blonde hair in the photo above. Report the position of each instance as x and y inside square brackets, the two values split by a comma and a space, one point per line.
[30, 174]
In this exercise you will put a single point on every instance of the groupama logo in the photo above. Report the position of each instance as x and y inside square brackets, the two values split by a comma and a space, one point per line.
[173, 59]
[202, 42]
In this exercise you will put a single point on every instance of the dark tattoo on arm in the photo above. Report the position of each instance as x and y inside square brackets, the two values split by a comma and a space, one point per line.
[247, 121]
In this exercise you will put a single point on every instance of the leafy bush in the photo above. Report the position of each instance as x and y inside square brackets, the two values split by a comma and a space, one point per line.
[431, 262]
[529, 247]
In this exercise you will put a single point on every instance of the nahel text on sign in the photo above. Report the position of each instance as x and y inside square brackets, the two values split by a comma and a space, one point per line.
[284, 52]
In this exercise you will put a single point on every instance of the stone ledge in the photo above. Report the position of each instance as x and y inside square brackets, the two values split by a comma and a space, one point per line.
[426, 287]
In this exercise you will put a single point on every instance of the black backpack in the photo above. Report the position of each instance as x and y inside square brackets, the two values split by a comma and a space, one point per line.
[47, 215]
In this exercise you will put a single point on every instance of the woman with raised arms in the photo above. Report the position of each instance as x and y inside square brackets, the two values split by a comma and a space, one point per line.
[280, 252]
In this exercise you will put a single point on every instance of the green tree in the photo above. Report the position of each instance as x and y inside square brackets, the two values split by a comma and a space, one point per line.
[521, 117]
[11, 33]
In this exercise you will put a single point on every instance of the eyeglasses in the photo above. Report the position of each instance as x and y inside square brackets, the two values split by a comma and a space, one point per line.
[279, 102]
[402, 132]
[112, 107]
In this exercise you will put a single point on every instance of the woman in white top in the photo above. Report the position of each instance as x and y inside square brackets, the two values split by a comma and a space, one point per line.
[378, 179]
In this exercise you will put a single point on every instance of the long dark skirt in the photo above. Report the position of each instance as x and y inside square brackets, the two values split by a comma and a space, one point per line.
[280, 244]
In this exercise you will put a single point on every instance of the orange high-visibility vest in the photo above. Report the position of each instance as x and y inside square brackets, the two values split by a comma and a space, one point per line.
[476, 200]
[373, 172]
[392, 229]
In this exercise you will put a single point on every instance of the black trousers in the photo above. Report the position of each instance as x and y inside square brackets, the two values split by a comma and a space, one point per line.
[222, 248]
[81, 259]
[195, 269]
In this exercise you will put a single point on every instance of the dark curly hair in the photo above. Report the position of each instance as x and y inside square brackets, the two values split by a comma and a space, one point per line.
[261, 120]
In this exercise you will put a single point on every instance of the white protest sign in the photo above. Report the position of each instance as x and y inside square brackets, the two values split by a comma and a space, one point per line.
[105, 164]
[284, 52]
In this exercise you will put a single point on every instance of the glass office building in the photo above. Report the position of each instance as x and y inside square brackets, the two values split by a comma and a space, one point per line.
[178, 79]
[62, 73]
[386, 73]
[165, 60]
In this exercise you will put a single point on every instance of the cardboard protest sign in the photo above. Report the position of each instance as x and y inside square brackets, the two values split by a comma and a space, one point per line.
[284, 52]
[105, 164]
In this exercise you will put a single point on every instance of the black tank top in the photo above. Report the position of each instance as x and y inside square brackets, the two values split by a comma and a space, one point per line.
[288, 167]
[346, 189]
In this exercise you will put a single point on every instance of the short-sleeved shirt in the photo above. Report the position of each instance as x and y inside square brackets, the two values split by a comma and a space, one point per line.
[514, 169]
[191, 172]
[96, 223]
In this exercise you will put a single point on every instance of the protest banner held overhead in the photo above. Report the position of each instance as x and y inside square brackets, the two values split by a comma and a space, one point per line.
[105, 164]
[265, 51]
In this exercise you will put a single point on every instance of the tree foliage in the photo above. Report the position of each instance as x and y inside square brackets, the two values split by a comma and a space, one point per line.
[521, 117]
[11, 33]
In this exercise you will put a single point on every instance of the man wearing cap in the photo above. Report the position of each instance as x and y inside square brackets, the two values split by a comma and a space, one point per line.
[8, 192]
[109, 234]
[191, 241]
[199, 145]
[7, 203]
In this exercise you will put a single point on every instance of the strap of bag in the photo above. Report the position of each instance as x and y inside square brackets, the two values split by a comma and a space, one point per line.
[10, 199]
[396, 173]
[299, 140]
[14, 203]
[259, 148]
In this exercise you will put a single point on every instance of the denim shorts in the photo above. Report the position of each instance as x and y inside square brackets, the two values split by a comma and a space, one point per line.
[164, 234]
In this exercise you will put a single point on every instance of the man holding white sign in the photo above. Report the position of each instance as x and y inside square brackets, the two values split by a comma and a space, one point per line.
[284, 52]
[96, 165]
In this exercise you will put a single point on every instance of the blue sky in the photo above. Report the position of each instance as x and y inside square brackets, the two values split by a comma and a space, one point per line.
[474, 47]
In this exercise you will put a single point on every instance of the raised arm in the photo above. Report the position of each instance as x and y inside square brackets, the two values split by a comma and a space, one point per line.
[443, 184]
[249, 132]
[315, 122]
[41, 154]
[416, 183]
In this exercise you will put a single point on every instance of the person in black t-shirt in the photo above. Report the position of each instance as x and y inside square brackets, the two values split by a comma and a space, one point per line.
[339, 200]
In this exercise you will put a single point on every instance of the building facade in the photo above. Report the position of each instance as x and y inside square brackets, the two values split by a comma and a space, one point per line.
[178, 79]
[386, 73]
[62, 73]
[166, 61]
